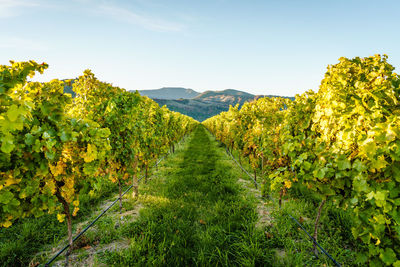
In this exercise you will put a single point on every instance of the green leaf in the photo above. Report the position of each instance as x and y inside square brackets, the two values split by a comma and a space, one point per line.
[380, 195]
[378, 163]
[46, 135]
[359, 166]
[307, 165]
[7, 144]
[13, 113]
[360, 184]
[387, 207]
[14, 202]
[37, 146]
[396, 172]
[370, 195]
[344, 164]
[29, 139]
[375, 263]
[354, 201]
[5, 196]
[64, 137]
[327, 190]
[365, 238]
[380, 219]
[50, 143]
[46, 108]
[361, 257]
[320, 173]
[50, 155]
[388, 256]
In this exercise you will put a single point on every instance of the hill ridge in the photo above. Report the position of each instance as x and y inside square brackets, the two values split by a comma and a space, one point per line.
[204, 105]
[170, 93]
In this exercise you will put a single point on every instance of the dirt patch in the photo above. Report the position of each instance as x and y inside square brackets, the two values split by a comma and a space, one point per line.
[280, 254]
[249, 185]
[87, 255]
[134, 213]
[264, 209]
[264, 214]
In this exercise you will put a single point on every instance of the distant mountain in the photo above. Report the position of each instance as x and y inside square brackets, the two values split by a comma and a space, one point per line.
[170, 93]
[201, 106]
[68, 90]
[68, 87]
[228, 97]
[227, 92]
[197, 109]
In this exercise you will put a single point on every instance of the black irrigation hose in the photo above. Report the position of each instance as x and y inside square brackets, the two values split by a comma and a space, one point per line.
[95, 220]
[255, 182]
[296, 221]
[315, 241]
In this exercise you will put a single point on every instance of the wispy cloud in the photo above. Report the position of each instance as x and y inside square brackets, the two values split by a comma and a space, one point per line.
[21, 44]
[146, 21]
[11, 8]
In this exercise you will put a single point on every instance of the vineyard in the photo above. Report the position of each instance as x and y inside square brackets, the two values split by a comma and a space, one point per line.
[341, 145]
[327, 163]
[53, 146]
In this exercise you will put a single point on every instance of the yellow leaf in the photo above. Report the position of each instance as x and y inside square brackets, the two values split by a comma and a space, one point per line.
[11, 181]
[7, 224]
[288, 184]
[75, 203]
[50, 185]
[67, 154]
[113, 177]
[60, 217]
[91, 153]
[379, 163]
[76, 209]
[368, 148]
[58, 169]
[69, 183]
[390, 134]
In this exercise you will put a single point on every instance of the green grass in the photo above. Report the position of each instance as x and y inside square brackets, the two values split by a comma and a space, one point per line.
[199, 215]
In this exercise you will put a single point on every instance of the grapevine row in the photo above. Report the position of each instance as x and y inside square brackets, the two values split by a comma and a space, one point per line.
[52, 144]
[342, 143]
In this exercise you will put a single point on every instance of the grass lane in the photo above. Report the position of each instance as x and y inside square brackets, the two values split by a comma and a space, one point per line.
[199, 215]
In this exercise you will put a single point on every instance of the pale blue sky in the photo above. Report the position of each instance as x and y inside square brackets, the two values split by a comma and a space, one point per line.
[262, 47]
